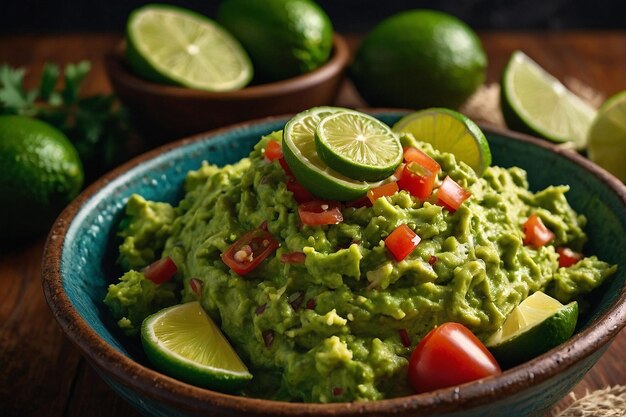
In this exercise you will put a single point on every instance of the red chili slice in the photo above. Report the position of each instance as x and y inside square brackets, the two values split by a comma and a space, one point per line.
[293, 258]
[249, 251]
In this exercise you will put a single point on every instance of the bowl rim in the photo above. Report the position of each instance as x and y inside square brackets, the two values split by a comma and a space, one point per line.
[183, 396]
[337, 62]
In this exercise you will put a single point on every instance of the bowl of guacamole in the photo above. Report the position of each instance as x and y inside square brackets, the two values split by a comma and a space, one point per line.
[330, 316]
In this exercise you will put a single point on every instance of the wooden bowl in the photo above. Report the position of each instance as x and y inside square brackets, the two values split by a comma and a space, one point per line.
[164, 112]
[78, 257]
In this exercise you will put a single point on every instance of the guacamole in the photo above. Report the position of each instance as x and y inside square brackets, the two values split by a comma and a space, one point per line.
[333, 326]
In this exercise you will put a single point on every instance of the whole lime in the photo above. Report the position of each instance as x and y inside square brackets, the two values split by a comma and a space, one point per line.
[284, 38]
[41, 173]
[419, 59]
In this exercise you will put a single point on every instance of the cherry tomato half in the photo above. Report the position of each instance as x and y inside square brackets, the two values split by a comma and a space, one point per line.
[535, 232]
[449, 355]
[318, 212]
[249, 251]
[160, 271]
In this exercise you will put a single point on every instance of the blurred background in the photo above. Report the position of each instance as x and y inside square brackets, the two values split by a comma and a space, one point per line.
[348, 16]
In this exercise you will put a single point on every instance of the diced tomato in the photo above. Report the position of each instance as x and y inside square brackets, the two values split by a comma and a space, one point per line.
[317, 213]
[293, 258]
[402, 241]
[359, 202]
[417, 180]
[449, 355]
[273, 150]
[375, 193]
[568, 257]
[300, 193]
[285, 167]
[535, 232]
[196, 286]
[249, 251]
[412, 154]
[160, 271]
[451, 195]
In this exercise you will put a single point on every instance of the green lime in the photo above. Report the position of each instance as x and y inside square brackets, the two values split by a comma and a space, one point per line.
[419, 59]
[358, 145]
[176, 46]
[607, 136]
[535, 326]
[283, 37]
[449, 131]
[301, 155]
[535, 102]
[185, 343]
[41, 174]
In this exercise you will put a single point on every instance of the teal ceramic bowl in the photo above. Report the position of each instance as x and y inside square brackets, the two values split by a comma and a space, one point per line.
[77, 262]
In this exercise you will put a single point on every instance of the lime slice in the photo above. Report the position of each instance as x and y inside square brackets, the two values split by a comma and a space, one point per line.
[358, 145]
[535, 102]
[177, 46]
[535, 326]
[183, 342]
[607, 136]
[301, 155]
[449, 131]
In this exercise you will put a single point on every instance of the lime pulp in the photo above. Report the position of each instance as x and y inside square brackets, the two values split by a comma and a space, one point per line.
[449, 131]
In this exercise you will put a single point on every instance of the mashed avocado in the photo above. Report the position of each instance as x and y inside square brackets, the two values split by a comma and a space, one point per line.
[329, 329]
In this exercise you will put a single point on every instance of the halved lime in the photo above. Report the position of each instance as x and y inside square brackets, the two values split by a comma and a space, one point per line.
[535, 102]
[185, 343]
[301, 155]
[177, 46]
[535, 326]
[358, 145]
[607, 136]
[449, 131]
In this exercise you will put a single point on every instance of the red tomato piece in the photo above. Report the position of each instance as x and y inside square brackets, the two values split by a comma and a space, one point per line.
[160, 271]
[568, 257]
[451, 195]
[300, 193]
[293, 258]
[285, 167]
[402, 241]
[273, 150]
[417, 180]
[412, 154]
[449, 355]
[318, 212]
[535, 232]
[375, 193]
[249, 251]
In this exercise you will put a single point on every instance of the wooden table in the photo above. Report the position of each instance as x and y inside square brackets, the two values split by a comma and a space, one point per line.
[43, 374]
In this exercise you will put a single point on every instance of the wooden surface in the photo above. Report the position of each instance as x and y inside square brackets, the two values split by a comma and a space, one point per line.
[42, 373]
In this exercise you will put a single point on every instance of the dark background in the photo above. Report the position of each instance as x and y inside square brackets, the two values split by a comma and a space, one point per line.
[348, 16]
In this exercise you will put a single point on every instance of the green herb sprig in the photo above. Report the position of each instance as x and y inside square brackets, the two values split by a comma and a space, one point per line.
[97, 125]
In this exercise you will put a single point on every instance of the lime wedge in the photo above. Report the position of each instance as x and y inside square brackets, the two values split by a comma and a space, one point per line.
[177, 46]
[535, 102]
[535, 326]
[301, 155]
[449, 131]
[183, 342]
[358, 145]
[607, 136]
